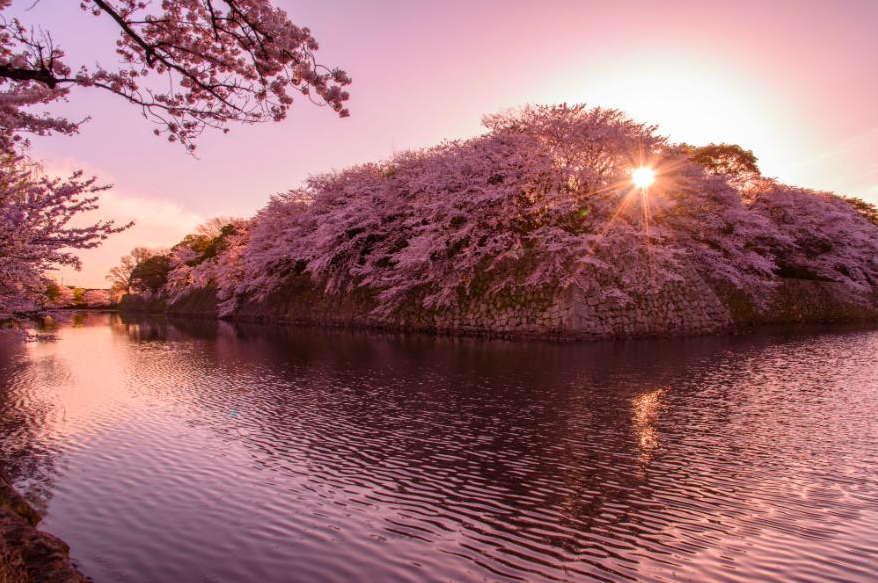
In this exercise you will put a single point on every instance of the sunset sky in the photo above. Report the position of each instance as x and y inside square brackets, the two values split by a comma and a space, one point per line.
[793, 80]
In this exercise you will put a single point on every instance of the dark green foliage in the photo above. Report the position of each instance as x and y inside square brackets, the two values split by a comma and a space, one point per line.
[53, 291]
[724, 159]
[866, 209]
[152, 274]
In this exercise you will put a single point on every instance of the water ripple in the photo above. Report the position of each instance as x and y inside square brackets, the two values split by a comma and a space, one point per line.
[168, 451]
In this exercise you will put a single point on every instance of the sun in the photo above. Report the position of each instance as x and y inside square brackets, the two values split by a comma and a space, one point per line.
[643, 177]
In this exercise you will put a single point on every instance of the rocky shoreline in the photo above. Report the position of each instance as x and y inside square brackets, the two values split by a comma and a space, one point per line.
[28, 555]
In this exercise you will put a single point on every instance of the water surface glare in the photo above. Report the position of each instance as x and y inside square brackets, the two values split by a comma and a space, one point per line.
[188, 451]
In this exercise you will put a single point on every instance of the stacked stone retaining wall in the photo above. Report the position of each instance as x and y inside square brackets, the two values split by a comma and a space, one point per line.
[690, 306]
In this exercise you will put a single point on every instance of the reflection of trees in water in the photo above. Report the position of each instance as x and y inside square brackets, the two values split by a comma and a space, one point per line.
[140, 327]
[500, 437]
[152, 327]
[26, 457]
[527, 451]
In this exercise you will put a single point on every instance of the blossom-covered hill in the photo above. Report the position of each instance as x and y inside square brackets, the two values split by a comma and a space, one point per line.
[535, 227]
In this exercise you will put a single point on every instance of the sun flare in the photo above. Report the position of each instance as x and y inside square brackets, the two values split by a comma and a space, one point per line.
[643, 177]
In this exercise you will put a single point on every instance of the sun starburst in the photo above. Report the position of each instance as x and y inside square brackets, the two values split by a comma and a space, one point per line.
[643, 177]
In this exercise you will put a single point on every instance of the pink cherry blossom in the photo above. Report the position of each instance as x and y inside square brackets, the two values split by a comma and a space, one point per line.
[542, 201]
[35, 234]
[188, 65]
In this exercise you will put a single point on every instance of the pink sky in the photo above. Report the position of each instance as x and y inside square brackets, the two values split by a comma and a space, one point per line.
[791, 79]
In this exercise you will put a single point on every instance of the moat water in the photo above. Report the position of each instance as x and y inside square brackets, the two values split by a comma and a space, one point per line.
[167, 451]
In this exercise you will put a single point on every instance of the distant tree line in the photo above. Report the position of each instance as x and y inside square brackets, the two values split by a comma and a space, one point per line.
[147, 270]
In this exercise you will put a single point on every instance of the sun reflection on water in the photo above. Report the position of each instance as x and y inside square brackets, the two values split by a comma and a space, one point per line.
[646, 408]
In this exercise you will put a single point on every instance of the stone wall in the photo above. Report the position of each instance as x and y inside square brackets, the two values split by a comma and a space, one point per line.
[690, 306]
[28, 555]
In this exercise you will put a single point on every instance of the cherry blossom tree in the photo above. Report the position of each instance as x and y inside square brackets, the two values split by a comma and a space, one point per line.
[202, 260]
[97, 298]
[828, 237]
[192, 263]
[741, 164]
[521, 205]
[187, 64]
[542, 201]
[35, 230]
[58, 296]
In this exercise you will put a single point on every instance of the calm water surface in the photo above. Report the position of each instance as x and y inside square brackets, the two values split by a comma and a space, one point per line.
[187, 451]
